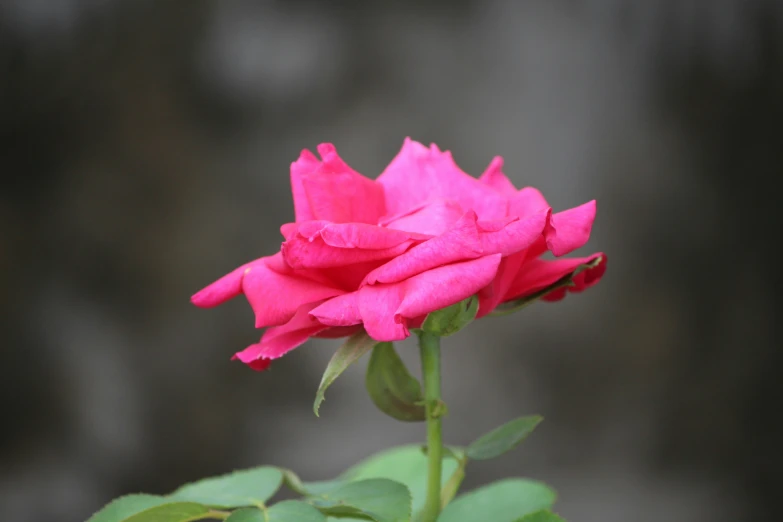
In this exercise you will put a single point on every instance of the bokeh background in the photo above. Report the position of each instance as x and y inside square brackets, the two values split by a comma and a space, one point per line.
[145, 151]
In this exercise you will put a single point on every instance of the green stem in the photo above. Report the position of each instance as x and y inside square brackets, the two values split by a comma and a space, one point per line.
[429, 345]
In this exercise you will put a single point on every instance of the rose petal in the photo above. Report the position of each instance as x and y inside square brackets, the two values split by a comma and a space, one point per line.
[306, 164]
[495, 178]
[275, 297]
[319, 244]
[258, 365]
[461, 242]
[537, 274]
[224, 289]
[289, 230]
[493, 294]
[342, 310]
[279, 340]
[468, 239]
[581, 281]
[349, 235]
[338, 193]
[278, 264]
[348, 277]
[360, 235]
[307, 229]
[514, 236]
[301, 253]
[495, 225]
[378, 307]
[388, 310]
[419, 174]
[570, 229]
[526, 202]
[433, 218]
[445, 286]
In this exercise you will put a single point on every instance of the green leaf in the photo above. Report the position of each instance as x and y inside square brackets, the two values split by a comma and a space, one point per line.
[404, 464]
[286, 511]
[541, 516]
[350, 352]
[294, 511]
[123, 507]
[502, 439]
[247, 515]
[565, 281]
[239, 489]
[382, 500]
[293, 482]
[174, 512]
[503, 501]
[391, 387]
[451, 319]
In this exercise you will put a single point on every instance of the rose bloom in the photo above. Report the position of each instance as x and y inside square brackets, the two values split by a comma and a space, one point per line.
[380, 255]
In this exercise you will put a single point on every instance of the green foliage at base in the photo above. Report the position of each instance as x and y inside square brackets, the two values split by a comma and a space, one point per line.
[390, 486]
[387, 487]
[503, 501]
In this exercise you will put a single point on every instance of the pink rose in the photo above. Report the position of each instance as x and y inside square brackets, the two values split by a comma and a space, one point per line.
[381, 255]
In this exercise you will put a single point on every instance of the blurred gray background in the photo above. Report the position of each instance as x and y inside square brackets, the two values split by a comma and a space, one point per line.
[145, 151]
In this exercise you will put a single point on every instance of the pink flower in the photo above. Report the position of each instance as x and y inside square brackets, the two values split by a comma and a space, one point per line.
[380, 255]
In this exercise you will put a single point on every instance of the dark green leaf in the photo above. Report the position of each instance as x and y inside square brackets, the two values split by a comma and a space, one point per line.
[565, 281]
[123, 507]
[451, 319]
[174, 512]
[503, 501]
[541, 516]
[502, 439]
[286, 511]
[406, 465]
[382, 500]
[391, 387]
[241, 488]
[350, 352]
